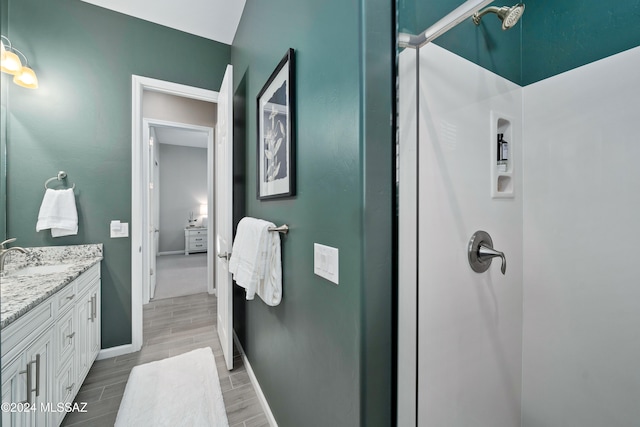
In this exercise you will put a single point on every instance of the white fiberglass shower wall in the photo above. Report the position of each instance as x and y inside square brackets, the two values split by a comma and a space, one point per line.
[581, 349]
[469, 350]
[556, 340]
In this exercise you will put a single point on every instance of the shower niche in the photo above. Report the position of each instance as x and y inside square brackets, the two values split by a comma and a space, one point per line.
[502, 150]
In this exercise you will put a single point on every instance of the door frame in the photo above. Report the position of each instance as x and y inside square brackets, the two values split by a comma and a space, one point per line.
[138, 85]
[147, 124]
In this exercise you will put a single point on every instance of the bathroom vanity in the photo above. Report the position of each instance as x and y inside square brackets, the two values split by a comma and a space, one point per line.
[50, 326]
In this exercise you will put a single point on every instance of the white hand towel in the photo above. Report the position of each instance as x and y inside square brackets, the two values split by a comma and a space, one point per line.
[256, 261]
[270, 286]
[248, 261]
[58, 212]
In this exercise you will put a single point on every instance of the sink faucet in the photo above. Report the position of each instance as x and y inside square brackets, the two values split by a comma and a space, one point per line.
[4, 251]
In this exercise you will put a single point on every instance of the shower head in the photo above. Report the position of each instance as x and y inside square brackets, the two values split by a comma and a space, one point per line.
[508, 15]
[511, 16]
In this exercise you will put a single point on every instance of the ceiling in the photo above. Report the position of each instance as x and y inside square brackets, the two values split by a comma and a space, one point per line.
[212, 19]
[180, 136]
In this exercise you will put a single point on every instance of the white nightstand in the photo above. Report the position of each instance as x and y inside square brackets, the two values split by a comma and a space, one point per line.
[195, 240]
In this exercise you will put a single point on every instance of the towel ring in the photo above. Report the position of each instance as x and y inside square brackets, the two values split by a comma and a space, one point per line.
[61, 175]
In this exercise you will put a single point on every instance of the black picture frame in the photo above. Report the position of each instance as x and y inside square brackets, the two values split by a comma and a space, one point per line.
[275, 145]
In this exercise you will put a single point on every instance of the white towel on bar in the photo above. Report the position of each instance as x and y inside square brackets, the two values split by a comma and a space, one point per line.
[255, 260]
[58, 212]
[270, 287]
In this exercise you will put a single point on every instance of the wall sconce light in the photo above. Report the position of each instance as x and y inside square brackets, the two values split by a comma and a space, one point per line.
[11, 64]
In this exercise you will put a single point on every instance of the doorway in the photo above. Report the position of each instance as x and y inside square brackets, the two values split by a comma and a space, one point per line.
[180, 160]
[141, 241]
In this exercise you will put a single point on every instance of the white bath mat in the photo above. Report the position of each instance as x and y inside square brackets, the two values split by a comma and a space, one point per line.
[179, 391]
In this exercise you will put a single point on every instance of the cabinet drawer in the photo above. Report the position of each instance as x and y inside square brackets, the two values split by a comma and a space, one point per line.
[197, 239]
[38, 319]
[197, 232]
[198, 246]
[88, 278]
[66, 297]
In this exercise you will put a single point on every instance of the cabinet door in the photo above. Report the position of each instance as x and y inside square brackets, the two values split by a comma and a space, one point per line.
[88, 342]
[39, 356]
[65, 332]
[83, 306]
[94, 339]
[65, 388]
[14, 390]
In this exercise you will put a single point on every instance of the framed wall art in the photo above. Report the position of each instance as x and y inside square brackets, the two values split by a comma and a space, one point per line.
[276, 132]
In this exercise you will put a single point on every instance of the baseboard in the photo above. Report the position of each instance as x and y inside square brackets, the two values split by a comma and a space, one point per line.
[171, 253]
[106, 353]
[261, 398]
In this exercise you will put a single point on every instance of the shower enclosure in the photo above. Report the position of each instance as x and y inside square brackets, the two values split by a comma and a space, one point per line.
[529, 135]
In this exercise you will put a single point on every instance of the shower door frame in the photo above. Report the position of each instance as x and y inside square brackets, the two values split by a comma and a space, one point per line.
[408, 214]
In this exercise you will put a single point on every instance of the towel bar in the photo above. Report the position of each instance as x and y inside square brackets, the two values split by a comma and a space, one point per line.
[284, 229]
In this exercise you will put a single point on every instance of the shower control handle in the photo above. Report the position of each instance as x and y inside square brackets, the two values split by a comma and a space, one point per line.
[486, 253]
[481, 253]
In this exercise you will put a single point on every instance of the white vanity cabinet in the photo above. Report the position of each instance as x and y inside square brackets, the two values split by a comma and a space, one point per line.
[27, 383]
[47, 352]
[195, 240]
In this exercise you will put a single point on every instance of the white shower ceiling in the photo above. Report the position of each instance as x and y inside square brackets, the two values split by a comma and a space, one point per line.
[213, 19]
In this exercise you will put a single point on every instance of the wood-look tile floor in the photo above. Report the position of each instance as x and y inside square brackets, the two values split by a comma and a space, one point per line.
[171, 326]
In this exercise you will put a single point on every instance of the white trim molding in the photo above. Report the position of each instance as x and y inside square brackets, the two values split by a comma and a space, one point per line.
[140, 84]
[261, 397]
[170, 253]
[146, 243]
[107, 353]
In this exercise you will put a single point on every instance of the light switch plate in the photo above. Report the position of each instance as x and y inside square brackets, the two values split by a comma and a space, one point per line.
[326, 262]
[119, 229]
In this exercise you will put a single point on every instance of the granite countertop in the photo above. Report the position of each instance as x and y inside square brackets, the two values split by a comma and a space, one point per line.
[22, 291]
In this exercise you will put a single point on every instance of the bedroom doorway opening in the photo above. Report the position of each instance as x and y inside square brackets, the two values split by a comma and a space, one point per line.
[179, 165]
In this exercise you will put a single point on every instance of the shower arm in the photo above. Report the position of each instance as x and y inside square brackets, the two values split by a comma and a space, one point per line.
[452, 19]
[491, 9]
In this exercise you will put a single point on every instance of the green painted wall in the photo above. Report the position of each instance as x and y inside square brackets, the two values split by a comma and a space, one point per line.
[552, 37]
[486, 45]
[562, 35]
[323, 357]
[79, 120]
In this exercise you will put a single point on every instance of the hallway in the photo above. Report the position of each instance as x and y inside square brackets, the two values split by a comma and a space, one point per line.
[179, 275]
